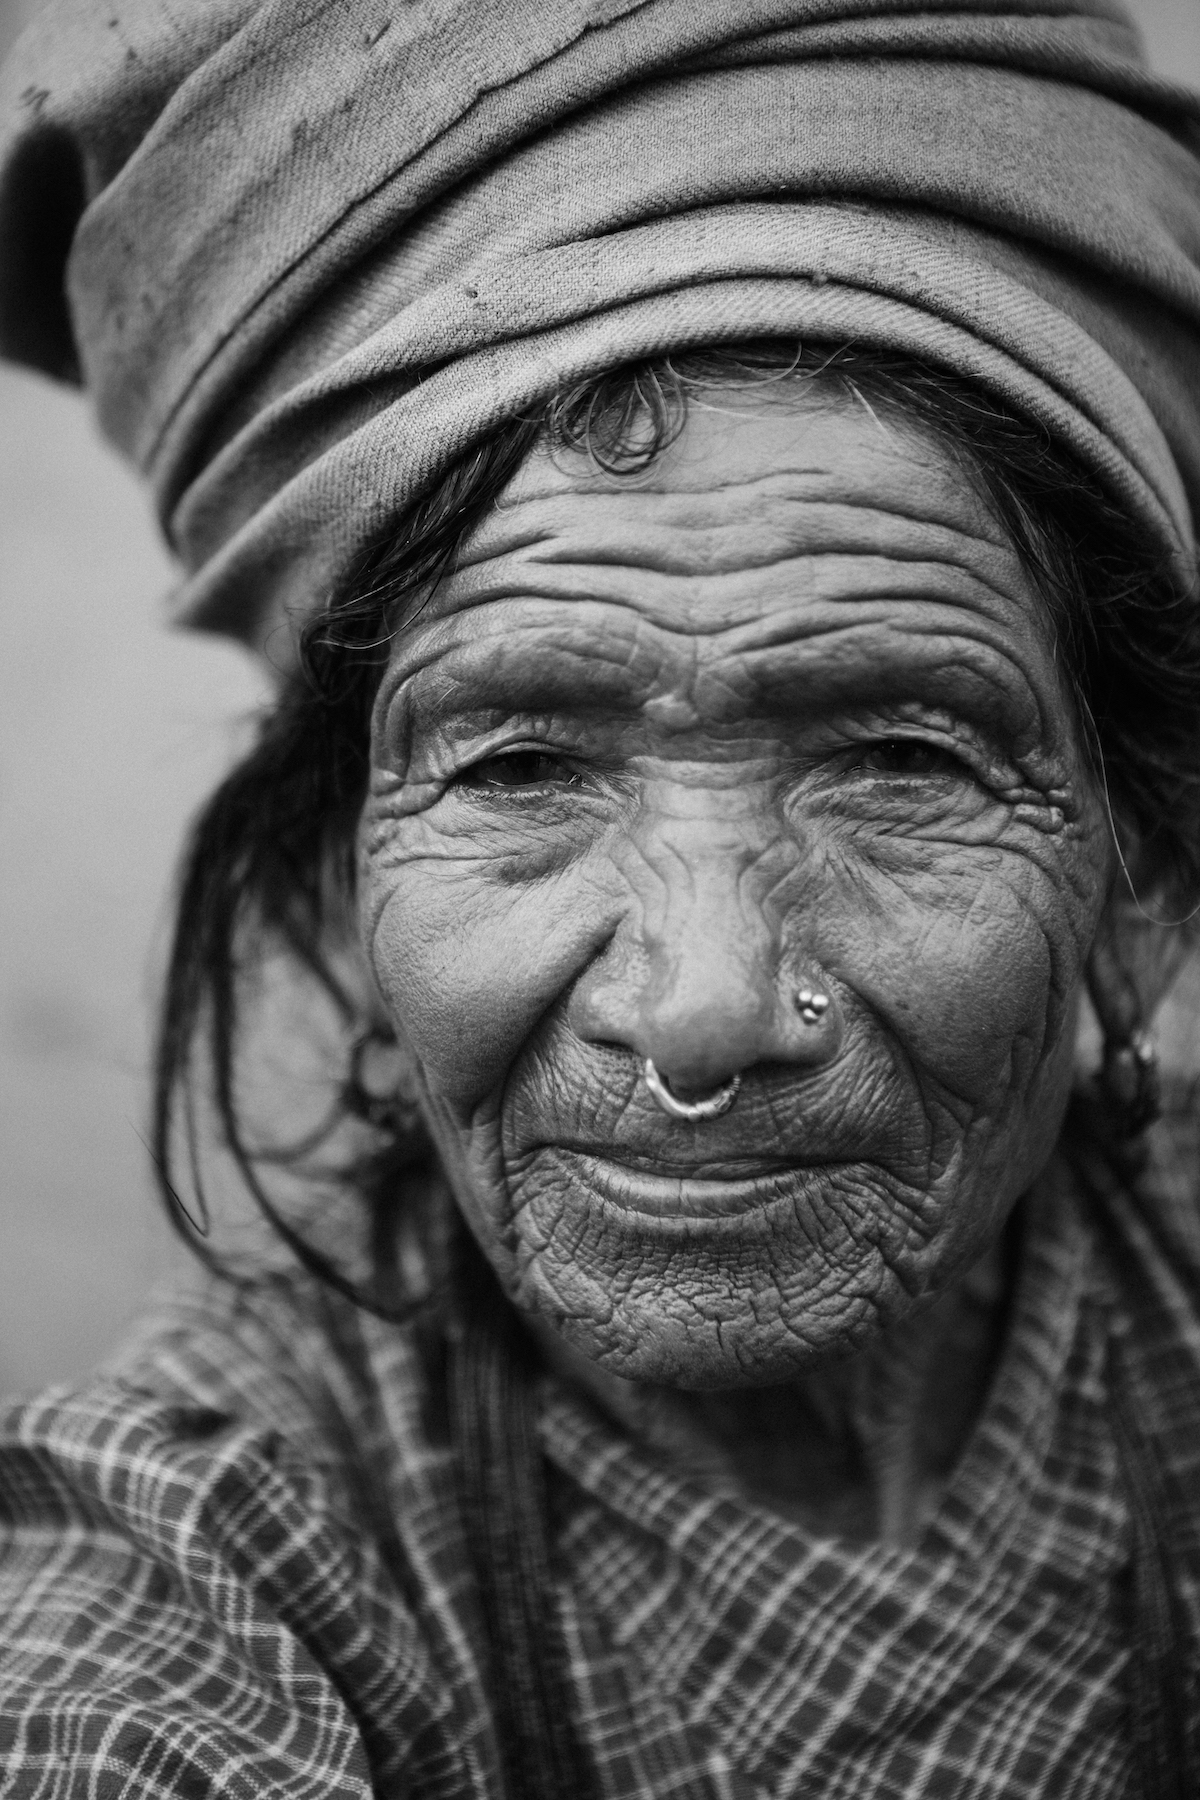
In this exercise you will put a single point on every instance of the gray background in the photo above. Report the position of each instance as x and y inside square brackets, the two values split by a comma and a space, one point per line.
[112, 731]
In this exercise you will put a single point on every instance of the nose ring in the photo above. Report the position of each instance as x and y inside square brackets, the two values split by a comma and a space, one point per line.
[813, 1006]
[696, 1112]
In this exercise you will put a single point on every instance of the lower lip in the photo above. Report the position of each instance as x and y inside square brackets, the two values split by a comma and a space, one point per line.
[680, 1197]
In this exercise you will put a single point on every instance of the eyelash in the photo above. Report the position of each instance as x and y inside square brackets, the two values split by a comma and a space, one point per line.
[946, 764]
[560, 774]
[542, 768]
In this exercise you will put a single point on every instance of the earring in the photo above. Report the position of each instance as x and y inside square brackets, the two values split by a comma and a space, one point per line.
[813, 1006]
[1129, 1082]
[1128, 1078]
[374, 1087]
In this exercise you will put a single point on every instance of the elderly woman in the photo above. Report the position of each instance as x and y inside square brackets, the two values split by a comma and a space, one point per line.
[717, 485]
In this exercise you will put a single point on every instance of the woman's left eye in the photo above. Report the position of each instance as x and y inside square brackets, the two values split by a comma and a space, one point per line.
[517, 769]
[914, 759]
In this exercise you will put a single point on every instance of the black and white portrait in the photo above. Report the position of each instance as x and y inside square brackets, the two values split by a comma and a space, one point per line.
[600, 825]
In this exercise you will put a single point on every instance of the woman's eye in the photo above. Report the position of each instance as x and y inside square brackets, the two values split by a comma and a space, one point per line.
[912, 758]
[517, 769]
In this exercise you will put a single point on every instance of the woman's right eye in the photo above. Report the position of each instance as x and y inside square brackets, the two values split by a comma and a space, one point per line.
[913, 759]
[514, 769]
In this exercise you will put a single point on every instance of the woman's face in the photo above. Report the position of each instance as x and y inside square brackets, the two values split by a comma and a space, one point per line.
[781, 714]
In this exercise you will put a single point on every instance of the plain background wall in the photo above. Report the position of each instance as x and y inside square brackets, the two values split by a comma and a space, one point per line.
[111, 731]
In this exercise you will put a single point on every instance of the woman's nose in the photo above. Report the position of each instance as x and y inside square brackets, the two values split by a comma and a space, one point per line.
[704, 986]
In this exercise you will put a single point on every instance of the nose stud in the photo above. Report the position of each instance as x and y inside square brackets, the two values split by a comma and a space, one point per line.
[696, 1112]
[813, 1006]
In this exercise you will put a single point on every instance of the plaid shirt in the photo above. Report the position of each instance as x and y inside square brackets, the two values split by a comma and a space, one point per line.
[234, 1565]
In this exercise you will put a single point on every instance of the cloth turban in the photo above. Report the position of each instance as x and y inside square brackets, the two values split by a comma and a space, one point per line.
[304, 253]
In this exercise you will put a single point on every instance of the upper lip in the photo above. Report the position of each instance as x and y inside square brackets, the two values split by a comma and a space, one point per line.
[710, 1168]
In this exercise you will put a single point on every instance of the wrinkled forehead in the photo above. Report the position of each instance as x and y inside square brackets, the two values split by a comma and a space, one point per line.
[756, 488]
[775, 555]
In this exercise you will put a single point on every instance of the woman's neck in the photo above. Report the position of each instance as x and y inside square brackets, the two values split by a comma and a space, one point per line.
[861, 1447]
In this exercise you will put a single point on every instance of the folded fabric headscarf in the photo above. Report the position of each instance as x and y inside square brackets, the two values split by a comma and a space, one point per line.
[305, 252]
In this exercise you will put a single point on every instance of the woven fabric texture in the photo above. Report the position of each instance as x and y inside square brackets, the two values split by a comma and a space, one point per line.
[303, 254]
[235, 1566]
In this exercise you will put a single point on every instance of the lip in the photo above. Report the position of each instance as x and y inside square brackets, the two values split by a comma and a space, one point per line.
[680, 1196]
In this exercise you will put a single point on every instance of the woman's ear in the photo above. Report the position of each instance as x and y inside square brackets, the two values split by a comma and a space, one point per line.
[383, 1069]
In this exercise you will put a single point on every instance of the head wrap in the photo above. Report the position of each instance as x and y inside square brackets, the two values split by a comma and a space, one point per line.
[304, 253]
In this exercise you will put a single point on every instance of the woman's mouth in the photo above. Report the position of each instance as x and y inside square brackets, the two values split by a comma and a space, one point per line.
[663, 1192]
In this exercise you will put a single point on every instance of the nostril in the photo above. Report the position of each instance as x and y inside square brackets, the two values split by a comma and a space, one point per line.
[696, 1069]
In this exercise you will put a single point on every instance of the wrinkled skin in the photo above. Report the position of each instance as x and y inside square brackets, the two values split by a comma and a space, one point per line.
[782, 712]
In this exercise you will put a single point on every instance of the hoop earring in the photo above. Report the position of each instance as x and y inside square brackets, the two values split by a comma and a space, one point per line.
[1129, 1083]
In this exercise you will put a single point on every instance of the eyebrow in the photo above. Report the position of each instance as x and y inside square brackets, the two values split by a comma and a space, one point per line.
[580, 668]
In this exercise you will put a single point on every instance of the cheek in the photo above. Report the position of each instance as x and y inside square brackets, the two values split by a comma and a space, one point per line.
[467, 966]
[973, 970]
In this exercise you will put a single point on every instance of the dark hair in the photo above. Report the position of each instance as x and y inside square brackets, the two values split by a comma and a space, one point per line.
[270, 862]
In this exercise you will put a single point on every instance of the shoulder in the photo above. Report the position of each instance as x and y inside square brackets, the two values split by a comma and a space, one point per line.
[202, 1572]
[160, 1571]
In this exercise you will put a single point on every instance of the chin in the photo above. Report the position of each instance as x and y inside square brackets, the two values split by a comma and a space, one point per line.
[657, 1340]
[752, 1289]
